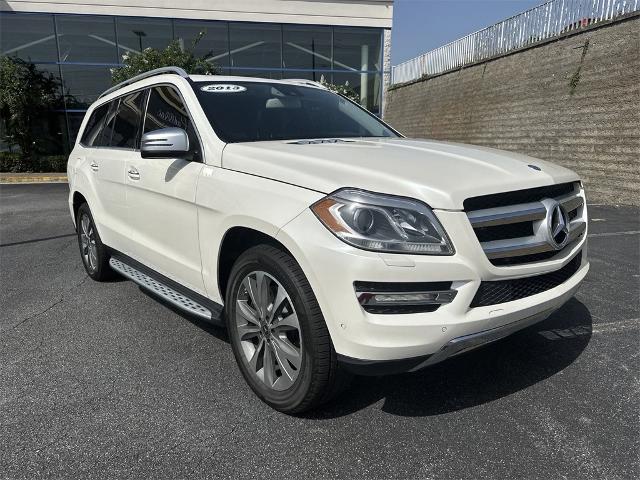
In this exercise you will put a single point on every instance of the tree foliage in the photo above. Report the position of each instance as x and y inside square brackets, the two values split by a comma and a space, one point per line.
[174, 55]
[26, 95]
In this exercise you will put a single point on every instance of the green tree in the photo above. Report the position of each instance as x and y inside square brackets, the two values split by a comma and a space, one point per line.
[174, 55]
[26, 95]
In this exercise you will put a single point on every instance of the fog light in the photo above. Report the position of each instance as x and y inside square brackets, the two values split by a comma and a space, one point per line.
[376, 297]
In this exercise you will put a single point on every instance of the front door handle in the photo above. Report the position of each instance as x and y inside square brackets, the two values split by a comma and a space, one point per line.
[134, 174]
[94, 166]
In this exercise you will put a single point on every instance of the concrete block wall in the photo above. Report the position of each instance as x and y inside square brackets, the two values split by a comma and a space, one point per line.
[574, 101]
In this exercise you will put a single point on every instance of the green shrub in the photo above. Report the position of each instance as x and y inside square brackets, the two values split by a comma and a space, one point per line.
[18, 163]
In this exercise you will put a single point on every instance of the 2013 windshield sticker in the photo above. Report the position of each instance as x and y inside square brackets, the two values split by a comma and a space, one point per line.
[223, 88]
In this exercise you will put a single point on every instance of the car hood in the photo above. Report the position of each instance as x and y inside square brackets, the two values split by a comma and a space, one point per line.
[439, 173]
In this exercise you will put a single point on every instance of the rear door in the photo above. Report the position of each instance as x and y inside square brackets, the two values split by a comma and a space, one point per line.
[161, 196]
[107, 167]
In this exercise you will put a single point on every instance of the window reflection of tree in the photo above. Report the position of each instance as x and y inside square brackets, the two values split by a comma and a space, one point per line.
[164, 112]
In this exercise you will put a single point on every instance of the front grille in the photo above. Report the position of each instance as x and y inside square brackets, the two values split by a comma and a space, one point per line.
[518, 196]
[513, 227]
[500, 232]
[536, 257]
[502, 291]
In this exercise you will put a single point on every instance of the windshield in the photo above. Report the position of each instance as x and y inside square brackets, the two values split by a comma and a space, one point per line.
[257, 111]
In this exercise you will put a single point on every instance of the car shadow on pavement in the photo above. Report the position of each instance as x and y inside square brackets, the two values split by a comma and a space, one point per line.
[487, 374]
[209, 327]
[481, 376]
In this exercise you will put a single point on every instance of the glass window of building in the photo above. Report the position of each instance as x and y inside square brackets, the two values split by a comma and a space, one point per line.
[356, 49]
[205, 39]
[83, 84]
[255, 45]
[260, 73]
[306, 47]
[136, 34]
[28, 36]
[84, 38]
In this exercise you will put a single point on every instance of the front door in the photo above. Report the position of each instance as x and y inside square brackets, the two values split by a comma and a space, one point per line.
[161, 197]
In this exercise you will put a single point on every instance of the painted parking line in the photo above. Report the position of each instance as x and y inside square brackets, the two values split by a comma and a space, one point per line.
[614, 234]
[582, 330]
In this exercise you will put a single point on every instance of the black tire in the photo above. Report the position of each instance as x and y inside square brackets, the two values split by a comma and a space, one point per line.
[97, 268]
[319, 378]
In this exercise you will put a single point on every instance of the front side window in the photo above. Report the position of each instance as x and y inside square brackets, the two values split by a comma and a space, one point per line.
[258, 111]
[166, 109]
[127, 121]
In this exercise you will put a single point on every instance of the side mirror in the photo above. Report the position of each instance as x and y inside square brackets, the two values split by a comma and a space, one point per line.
[164, 143]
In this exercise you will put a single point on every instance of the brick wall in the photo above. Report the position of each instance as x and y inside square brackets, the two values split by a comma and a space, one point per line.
[574, 101]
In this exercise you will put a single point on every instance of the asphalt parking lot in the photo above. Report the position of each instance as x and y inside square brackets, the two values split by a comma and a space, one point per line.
[103, 381]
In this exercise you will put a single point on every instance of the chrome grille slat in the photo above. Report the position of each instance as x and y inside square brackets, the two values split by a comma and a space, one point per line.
[508, 214]
[515, 247]
[499, 243]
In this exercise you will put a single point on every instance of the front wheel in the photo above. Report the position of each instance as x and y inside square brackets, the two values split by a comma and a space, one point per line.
[278, 334]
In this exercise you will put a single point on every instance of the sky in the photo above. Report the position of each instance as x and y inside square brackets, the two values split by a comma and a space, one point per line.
[422, 25]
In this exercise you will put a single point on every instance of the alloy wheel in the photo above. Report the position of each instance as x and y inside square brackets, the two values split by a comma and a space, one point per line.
[88, 242]
[268, 331]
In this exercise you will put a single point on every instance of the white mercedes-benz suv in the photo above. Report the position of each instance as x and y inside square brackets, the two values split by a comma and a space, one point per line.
[326, 242]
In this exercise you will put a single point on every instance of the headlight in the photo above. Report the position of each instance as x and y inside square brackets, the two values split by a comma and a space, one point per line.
[383, 223]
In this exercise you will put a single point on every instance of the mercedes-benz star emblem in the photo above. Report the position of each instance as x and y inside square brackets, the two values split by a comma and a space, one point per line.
[558, 224]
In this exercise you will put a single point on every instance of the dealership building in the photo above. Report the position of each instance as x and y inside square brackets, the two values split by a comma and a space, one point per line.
[80, 41]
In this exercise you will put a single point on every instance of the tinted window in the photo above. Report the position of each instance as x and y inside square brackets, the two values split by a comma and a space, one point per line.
[94, 125]
[85, 38]
[83, 84]
[273, 111]
[104, 137]
[28, 36]
[205, 39]
[127, 122]
[255, 45]
[165, 110]
[135, 34]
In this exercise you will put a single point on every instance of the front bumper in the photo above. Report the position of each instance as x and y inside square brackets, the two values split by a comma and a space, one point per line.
[414, 340]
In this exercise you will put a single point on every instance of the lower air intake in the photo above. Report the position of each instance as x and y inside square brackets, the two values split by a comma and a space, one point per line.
[502, 291]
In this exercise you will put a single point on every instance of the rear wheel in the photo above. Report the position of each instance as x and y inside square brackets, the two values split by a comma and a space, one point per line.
[278, 334]
[94, 254]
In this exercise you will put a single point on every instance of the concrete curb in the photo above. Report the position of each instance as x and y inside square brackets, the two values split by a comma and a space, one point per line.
[9, 178]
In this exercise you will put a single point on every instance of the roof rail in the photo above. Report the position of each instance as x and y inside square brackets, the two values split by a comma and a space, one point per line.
[150, 73]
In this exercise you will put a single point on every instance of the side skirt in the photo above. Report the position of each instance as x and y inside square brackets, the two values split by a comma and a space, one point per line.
[167, 289]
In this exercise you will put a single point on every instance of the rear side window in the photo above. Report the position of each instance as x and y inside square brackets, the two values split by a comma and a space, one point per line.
[166, 109]
[104, 138]
[127, 121]
[93, 129]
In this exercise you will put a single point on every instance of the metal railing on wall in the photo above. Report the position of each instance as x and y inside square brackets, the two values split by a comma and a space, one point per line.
[553, 18]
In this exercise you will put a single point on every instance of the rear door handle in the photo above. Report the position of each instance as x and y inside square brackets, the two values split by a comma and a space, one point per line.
[94, 166]
[134, 174]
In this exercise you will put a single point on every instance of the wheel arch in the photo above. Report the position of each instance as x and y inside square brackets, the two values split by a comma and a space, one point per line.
[78, 199]
[235, 242]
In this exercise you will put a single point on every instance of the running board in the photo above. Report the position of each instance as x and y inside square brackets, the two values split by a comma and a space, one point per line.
[163, 291]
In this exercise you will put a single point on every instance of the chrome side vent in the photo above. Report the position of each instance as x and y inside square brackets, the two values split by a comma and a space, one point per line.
[532, 231]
